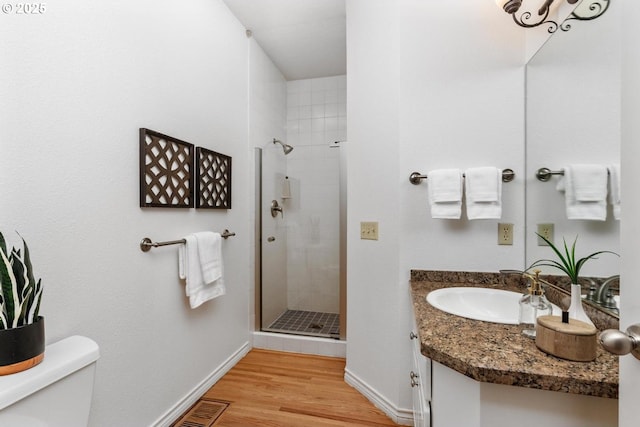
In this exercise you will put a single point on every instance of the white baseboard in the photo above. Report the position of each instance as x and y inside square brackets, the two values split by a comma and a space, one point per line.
[192, 397]
[400, 416]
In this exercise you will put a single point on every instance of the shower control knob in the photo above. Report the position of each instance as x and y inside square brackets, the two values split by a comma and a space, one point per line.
[621, 343]
[271, 239]
[412, 335]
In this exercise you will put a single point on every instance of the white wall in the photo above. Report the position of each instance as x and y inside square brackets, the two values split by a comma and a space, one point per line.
[267, 118]
[316, 119]
[372, 183]
[461, 105]
[76, 83]
[430, 85]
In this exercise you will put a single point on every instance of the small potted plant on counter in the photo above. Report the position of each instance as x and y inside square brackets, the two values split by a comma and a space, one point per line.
[21, 328]
[568, 264]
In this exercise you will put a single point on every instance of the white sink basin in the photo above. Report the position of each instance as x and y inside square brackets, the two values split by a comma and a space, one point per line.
[489, 305]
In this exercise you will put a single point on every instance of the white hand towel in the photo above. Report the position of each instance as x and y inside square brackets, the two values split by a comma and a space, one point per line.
[445, 193]
[210, 254]
[585, 191]
[614, 189]
[483, 192]
[200, 264]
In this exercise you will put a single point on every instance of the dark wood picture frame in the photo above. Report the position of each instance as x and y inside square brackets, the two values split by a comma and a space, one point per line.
[213, 183]
[166, 171]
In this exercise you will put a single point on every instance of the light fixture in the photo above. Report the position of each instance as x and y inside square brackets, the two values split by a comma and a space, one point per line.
[524, 17]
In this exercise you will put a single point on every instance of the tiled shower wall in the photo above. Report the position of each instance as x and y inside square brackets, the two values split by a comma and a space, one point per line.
[316, 119]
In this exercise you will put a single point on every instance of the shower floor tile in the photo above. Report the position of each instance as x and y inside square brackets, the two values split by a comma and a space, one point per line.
[307, 323]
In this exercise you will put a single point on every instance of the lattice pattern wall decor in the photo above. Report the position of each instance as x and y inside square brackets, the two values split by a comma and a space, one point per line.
[213, 184]
[166, 171]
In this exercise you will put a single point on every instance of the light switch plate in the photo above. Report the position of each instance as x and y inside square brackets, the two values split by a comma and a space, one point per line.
[369, 230]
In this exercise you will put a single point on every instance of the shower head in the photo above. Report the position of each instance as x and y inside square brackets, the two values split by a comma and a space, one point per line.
[285, 147]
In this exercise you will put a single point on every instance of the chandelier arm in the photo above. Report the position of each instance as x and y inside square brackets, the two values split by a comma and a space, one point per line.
[525, 20]
[597, 8]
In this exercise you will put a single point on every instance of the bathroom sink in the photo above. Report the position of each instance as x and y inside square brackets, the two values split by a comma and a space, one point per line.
[489, 305]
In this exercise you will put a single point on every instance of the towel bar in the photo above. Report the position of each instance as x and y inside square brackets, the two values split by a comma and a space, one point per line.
[416, 177]
[146, 244]
[544, 174]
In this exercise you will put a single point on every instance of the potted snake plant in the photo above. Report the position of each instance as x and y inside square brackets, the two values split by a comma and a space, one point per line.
[571, 266]
[22, 339]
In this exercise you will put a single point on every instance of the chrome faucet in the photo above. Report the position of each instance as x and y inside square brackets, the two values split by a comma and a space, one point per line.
[593, 289]
[604, 296]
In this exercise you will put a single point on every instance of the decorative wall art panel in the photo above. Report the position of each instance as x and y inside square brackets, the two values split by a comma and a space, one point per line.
[213, 184]
[166, 171]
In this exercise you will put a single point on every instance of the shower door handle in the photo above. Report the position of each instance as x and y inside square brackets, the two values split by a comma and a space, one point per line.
[275, 208]
[271, 239]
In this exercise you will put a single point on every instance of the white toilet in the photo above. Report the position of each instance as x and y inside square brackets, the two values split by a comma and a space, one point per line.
[55, 393]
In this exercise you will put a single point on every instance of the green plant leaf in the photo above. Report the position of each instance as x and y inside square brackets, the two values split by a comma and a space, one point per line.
[571, 257]
[3, 244]
[35, 304]
[24, 309]
[20, 273]
[9, 290]
[27, 262]
[32, 299]
[567, 263]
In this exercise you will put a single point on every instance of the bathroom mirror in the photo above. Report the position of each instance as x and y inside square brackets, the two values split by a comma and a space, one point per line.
[572, 117]
[537, 36]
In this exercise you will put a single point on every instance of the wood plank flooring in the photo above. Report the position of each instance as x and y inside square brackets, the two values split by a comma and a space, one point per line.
[277, 389]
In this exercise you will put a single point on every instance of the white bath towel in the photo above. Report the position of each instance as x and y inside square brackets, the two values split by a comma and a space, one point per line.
[585, 191]
[483, 192]
[614, 189]
[445, 193]
[200, 264]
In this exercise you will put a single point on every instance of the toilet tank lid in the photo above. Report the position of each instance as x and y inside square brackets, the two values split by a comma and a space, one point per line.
[61, 358]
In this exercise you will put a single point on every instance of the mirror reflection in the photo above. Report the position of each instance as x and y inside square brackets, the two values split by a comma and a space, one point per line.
[573, 118]
[540, 28]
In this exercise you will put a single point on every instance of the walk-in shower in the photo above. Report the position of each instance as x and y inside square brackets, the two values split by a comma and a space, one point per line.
[300, 216]
[298, 250]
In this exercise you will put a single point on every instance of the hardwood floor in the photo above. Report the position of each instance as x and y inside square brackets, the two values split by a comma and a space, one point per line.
[277, 389]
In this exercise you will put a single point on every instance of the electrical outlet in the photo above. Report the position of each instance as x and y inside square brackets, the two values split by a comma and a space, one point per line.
[545, 230]
[369, 230]
[505, 234]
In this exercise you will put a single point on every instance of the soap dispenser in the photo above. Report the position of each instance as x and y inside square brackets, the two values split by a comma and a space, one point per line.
[533, 305]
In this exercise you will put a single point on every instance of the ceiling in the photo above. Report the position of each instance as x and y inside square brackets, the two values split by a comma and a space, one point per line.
[304, 38]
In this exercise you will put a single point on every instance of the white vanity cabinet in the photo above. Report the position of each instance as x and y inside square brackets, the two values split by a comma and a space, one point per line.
[420, 380]
[461, 401]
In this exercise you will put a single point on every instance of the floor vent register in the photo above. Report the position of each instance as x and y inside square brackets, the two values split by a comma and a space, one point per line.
[203, 414]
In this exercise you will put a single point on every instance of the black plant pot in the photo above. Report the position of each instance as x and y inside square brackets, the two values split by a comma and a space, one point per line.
[21, 348]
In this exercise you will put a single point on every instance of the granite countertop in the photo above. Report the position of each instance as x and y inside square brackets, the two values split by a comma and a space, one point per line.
[497, 353]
